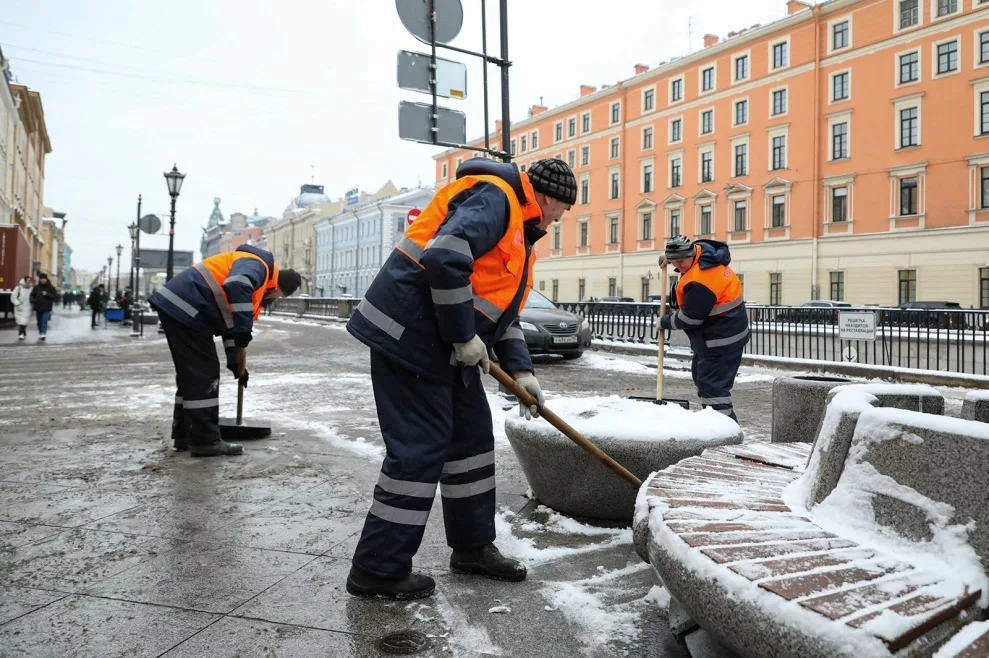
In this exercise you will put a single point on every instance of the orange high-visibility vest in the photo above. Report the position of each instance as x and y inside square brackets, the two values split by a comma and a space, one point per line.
[498, 273]
[215, 270]
[721, 280]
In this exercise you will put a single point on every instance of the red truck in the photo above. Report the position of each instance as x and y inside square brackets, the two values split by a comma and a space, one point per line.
[15, 264]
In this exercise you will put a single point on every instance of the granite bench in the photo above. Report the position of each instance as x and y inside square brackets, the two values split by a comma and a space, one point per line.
[869, 541]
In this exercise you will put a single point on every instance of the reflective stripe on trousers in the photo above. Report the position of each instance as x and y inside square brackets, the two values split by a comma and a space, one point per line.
[714, 375]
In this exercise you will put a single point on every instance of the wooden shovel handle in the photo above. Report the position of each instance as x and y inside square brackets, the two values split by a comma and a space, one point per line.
[241, 367]
[523, 396]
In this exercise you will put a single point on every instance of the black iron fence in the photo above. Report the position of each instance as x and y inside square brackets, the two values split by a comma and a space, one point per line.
[942, 340]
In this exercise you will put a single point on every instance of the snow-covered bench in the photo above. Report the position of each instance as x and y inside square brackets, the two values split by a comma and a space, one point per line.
[875, 548]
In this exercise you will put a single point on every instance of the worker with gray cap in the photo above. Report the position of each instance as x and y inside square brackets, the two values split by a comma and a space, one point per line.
[711, 311]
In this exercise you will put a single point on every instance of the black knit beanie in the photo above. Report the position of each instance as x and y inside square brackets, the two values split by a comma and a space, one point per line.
[289, 281]
[553, 178]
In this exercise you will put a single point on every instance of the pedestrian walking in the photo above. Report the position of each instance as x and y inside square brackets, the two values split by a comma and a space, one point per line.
[95, 302]
[452, 288]
[21, 300]
[711, 311]
[43, 297]
[221, 296]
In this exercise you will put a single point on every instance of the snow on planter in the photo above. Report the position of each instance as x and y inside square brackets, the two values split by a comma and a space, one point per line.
[642, 436]
[976, 406]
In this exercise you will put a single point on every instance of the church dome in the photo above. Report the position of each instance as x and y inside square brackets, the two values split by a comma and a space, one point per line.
[309, 195]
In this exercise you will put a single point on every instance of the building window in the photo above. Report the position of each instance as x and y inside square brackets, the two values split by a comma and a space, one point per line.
[909, 13]
[780, 54]
[676, 90]
[647, 138]
[585, 156]
[742, 160]
[559, 130]
[837, 286]
[707, 79]
[556, 290]
[779, 102]
[513, 148]
[614, 148]
[707, 122]
[779, 211]
[613, 230]
[556, 238]
[741, 219]
[909, 128]
[676, 130]
[571, 127]
[615, 181]
[616, 113]
[583, 234]
[741, 112]
[839, 204]
[675, 222]
[522, 168]
[647, 178]
[581, 289]
[839, 35]
[585, 191]
[839, 141]
[612, 287]
[947, 57]
[909, 67]
[444, 170]
[984, 103]
[535, 140]
[675, 172]
[707, 167]
[779, 152]
[706, 220]
[647, 226]
[839, 87]
[572, 158]
[742, 68]
[648, 100]
[946, 7]
[984, 287]
[908, 196]
[984, 48]
[523, 143]
[908, 286]
[542, 285]
[775, 288]
[645, 288]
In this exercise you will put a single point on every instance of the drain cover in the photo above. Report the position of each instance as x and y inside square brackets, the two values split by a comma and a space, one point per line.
[403, 643]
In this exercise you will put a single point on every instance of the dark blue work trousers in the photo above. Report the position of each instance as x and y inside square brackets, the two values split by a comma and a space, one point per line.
[434, 433]
[714, 375]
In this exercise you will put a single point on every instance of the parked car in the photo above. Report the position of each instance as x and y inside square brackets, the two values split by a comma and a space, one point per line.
[653, 299]
[815, 311]
[611, 300]
[927, 314]
[549, 329]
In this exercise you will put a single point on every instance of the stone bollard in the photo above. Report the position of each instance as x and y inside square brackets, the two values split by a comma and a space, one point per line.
[798, 406]
[976, 406]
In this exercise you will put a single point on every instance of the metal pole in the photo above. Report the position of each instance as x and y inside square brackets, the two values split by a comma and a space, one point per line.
[506, 121]
[137, 320]
[117, 294]
[131, 276]
[171, 240]
[484, 68]
[434, 130]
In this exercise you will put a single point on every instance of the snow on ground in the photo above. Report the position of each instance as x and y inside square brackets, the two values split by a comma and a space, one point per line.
[527, 550]
[963, 639]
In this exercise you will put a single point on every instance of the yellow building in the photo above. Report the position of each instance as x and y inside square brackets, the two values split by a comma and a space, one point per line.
[31, 146]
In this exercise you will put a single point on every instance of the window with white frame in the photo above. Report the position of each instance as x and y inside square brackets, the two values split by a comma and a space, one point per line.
[841, 34]
[614, 148]
[778, 151]
[616, 112]
[984, 187]
[647, 178]
[646, 226]
[647, 138]
[944, 8]
[558, 131]
[444, 170]
[556, 237]
[676, 173]
[612, 230]
[582, 233]
[676, 130]
[837, 286]
[741, 112]
[982, 47]
[707, 122]
[615, 189]
[780, 54]
[675, 222]
[572, 127]
[982, 112]
[676, 90]
[612, 287]
[779, 102]
[908, 121]
[741, 68]
[909, 67]
[909, 197]
[946, 57]
[839, 140]
[908, 12]
[707, 79]
[585, 156]
[839, 204]
[523, 143]
[534, 139]
[513, 151]
[775, 288]
[707, 165]
[740, 216]
[706, 220]
[840, 86]
[585, 122]
[741, 159]
[649, 99]
[778, 217]
[585, 190]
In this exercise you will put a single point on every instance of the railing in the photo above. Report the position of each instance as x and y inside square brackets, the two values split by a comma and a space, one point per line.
[324, 307]
[941, 340]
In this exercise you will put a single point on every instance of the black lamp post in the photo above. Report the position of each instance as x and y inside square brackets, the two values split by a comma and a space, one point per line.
[132, 229]
[109, 271]
[174, 180]
[120, 250]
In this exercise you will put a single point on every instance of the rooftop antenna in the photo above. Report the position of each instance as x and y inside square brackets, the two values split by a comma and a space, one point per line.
[312, 173]
[690, 34]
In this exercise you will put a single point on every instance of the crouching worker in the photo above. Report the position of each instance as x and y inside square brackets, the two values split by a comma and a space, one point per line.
[221, 296]
[451, 288]
[711, 311]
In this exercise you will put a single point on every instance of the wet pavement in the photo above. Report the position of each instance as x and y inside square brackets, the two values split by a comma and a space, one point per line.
[111, 544]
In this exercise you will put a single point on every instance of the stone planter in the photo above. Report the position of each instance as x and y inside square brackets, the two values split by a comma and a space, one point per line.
[976, 406]
[799, 404]
[641, 436]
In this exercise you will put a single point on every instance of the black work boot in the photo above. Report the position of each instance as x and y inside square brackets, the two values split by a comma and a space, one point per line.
[216, 449]
[487, 561]
[367, 585]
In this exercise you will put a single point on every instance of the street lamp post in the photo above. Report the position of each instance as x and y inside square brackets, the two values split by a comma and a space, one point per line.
[109, 271]
[132, 229]
[120, 250]
[174, 180]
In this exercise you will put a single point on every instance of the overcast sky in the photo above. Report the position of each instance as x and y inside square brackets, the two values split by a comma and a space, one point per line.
[245, 96]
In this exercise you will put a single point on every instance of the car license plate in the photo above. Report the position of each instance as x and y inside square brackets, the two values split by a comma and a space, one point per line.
[564, 340]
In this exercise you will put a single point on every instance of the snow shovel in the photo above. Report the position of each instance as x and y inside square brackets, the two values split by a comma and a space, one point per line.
[661, 356]
[239, 429]
[523, 396]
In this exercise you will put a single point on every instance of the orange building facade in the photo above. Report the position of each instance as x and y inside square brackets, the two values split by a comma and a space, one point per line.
[842, 152]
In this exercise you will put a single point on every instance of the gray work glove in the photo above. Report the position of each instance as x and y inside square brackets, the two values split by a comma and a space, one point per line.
[473, 353]
[531, 386]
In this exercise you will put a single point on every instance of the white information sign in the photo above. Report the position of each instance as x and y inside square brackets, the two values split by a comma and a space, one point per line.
[857, 325]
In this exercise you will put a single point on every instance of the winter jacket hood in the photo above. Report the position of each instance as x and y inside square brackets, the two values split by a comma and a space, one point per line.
[506, 171]
[713, 253]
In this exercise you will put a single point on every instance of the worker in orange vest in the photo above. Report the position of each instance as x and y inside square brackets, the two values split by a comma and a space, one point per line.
[220, 296]
[711, 311]
[452, 288]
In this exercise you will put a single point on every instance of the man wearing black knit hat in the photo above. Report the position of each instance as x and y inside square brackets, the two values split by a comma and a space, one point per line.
[452, 288]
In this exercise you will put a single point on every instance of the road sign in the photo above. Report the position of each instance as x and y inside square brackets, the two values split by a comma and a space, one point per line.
[149, 224]
[414, 75]
[857, 325]
[157, 259]
[414, 124]
[415, 17]
[411, 217]
[850, 355]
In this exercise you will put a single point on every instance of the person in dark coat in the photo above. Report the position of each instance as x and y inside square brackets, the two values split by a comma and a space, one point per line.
[43, 297]
[95, 302]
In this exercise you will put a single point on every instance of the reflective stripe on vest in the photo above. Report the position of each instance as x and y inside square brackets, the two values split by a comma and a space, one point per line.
[221, 297]
[724, 308]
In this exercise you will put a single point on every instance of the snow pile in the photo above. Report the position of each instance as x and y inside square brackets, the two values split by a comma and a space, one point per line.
[526, 550]
[963, 639]
[642, 500]
[612, 364]
[977, 396]
[616, 417]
